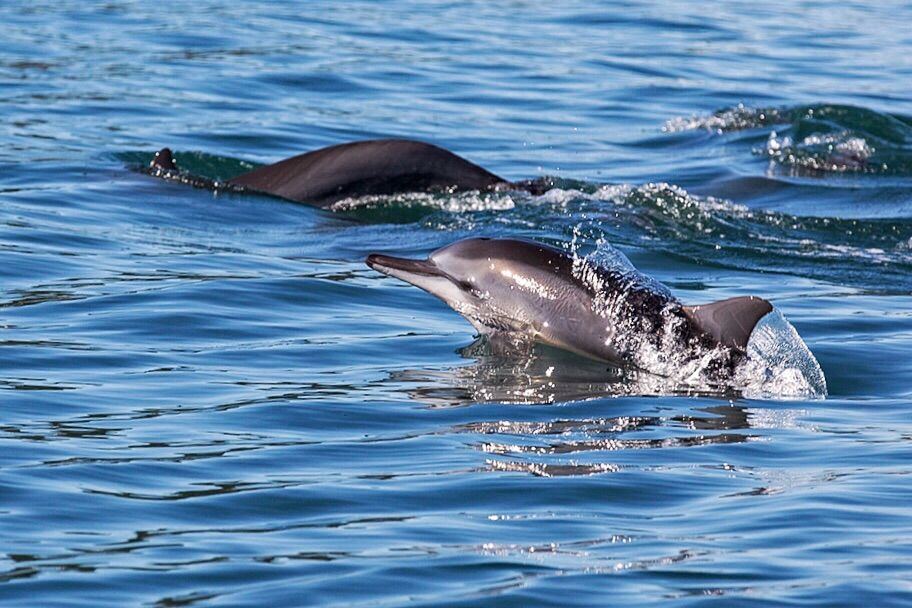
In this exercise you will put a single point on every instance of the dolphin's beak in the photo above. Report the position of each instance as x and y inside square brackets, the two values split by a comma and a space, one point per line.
[403, 268]
[423, 274]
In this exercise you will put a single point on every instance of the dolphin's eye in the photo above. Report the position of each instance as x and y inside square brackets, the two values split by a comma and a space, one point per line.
[468, 288]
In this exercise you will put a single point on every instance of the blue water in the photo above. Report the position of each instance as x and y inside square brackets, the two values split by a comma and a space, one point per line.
[209, 400]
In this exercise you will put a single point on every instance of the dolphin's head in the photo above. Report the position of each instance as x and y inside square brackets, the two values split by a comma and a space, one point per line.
[447, 273]
[497, 284]
[468, 276]
[463, 265]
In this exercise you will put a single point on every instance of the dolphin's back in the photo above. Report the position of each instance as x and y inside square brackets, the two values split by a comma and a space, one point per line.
[383, 166]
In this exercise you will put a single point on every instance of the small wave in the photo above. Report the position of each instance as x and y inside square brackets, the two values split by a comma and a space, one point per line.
[835, 152]
[728, 119]
[818, 139]
[891, 127]
[868, 253]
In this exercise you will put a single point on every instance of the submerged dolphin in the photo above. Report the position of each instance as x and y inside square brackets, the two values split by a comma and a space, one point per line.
[382, 166]
[544, 294]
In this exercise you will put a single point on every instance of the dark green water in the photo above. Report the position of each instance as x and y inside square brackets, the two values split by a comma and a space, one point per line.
[208, 399]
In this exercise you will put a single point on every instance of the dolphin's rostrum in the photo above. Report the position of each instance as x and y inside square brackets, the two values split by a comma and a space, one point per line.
[544, 294]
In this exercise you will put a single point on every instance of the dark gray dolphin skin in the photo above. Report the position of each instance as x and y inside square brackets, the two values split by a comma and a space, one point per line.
[543, 293]
[383, 166]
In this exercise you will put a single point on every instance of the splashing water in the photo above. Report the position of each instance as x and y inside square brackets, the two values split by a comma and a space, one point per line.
[835, 152]
[779, 364]
[455, 202]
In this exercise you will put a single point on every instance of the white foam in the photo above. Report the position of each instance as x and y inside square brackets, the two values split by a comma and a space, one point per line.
[733, 119]
[457, 202]
[838, 152]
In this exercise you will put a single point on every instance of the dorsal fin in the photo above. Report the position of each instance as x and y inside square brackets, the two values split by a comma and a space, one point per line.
[730, 321]
[163, 160]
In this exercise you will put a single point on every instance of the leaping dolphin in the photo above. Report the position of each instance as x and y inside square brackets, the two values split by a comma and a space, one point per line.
[536, 291]
[383, 166]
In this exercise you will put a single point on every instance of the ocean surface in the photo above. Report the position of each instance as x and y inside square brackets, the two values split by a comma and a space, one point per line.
[207, 399]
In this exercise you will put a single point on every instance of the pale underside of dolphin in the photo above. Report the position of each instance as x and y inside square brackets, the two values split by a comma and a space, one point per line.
[542, 293]
[375, 167]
